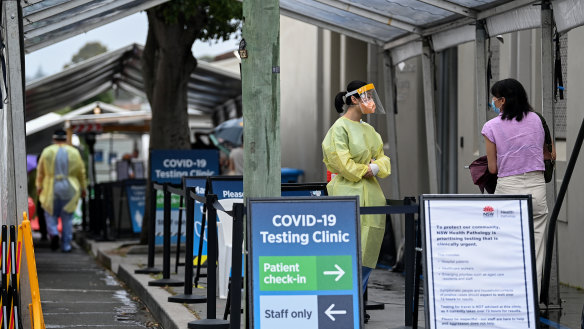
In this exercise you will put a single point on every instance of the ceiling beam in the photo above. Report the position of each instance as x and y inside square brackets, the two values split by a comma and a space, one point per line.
[452, 7]
[52, 11]
[370, 14]
[329, 26]
[508, 6]
[31, 46]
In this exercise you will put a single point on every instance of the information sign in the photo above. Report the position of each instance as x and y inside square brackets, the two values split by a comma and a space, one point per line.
[305, 263]
[169, 166]
[136, 194]
[479, 263]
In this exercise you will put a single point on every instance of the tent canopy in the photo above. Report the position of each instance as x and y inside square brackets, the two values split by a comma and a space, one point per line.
[46, 22]
[210, 89]
[401, 25]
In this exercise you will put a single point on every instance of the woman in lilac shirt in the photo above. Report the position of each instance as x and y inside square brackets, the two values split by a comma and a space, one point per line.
[514, 141]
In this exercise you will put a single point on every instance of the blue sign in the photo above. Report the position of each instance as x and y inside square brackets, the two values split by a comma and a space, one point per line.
[227, 187]
[136, 194]
[169, 166]
[305, 265]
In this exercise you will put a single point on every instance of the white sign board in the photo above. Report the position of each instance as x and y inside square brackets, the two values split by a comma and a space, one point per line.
[479, 263]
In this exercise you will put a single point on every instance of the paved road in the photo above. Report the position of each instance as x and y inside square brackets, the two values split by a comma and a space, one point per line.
[76, 292]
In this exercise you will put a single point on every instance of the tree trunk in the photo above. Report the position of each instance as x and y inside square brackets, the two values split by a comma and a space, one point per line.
[167, 64]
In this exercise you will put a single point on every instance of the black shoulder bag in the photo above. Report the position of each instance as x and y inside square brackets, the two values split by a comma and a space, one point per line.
[549, 162]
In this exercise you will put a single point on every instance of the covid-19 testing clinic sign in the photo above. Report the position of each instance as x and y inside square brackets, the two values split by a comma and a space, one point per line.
[479, 264]
[304, 263]
[170, 166]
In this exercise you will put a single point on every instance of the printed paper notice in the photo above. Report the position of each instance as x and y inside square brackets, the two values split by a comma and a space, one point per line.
[479, 265]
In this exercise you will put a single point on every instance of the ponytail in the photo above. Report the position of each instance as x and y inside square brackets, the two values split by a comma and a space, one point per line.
[339, 101]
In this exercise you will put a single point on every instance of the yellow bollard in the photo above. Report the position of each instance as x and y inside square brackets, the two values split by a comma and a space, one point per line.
[36, 311]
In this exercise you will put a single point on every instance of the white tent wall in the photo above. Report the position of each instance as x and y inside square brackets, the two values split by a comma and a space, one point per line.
[298, 94]
[570, 228]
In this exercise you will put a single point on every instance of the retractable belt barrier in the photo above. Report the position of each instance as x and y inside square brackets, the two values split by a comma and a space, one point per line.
[189, 195]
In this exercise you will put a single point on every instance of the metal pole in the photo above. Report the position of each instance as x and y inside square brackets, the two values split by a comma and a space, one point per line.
[150, 269]
[547, 82]
[236, 267]
[178, 234]
[428, 77]
[554, 217]
[481, 83]
[188, 296]
[166, 280]
[409, 266]
[211, 321]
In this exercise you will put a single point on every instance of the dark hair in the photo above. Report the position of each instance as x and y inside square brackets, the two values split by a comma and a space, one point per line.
[516, 103]
[60, 135]
[339, 102]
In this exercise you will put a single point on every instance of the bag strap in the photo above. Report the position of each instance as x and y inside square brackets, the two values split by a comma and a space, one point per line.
[546, 129]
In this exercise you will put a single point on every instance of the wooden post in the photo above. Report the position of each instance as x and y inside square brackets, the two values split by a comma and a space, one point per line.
[260, 73]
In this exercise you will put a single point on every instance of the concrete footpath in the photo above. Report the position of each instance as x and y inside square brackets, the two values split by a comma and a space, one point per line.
[124, 257]
[76, 292]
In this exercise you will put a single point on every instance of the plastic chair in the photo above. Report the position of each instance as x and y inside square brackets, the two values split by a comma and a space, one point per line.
[224, 234]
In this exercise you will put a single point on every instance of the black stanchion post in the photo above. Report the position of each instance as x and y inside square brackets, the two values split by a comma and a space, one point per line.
[150, 269]
[409, 265]
[166, 280]
[211, 321]
[417, 263]
[178, 234]
[237, 241]
[188, 296]
[201, 240]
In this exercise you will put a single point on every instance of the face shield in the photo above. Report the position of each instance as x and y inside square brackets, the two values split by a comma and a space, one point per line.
[369, 100]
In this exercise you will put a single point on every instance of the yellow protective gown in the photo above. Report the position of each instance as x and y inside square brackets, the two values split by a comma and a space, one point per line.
[348, 148]
[45, 176]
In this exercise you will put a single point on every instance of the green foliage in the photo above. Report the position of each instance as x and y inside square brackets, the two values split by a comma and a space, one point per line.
[89, 50]
[219, 18]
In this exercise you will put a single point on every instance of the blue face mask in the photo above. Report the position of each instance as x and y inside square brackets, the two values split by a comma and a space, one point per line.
[495, 108]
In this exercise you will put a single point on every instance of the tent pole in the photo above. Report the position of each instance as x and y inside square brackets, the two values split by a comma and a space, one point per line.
[428, 83]
[481, 83]
[552, 295]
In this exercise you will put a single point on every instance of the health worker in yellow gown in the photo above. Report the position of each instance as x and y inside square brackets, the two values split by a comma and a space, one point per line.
[353, 151]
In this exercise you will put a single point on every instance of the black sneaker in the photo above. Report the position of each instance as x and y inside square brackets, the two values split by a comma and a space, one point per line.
[367, 317]
[55, 242]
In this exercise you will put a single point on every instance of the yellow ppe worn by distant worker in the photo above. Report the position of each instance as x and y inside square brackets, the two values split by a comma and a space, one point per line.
[45, 176]
[348, 148]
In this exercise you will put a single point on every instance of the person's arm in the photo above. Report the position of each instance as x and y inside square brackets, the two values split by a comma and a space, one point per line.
[382, 161]
[81, 176]
[338, 158]
[491, 155]
[40, 175]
